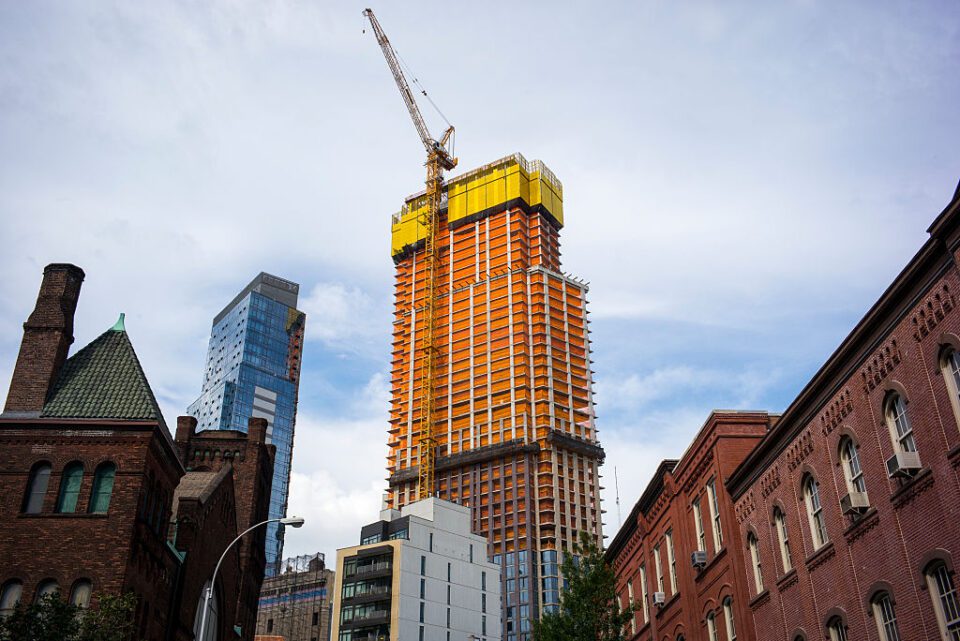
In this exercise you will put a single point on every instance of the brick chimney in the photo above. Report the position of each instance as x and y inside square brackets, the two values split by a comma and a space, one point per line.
[47, 336]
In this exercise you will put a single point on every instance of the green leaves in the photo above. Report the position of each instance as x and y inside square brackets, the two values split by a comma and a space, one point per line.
[589, 610]
[52, 619]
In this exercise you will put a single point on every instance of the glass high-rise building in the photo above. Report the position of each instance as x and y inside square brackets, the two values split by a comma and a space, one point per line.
[253, 370]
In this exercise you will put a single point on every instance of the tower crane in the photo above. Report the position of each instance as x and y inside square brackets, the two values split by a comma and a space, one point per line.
[439, 158]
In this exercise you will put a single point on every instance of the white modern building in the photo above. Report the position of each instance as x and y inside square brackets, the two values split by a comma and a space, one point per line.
[419, 574]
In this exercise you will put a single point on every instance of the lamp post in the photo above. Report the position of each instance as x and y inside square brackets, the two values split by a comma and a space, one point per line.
[293, 521]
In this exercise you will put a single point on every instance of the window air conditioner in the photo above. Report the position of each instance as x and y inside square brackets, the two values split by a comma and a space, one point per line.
[699, 559]
[903, 464]
[854, 503]
[659, 598]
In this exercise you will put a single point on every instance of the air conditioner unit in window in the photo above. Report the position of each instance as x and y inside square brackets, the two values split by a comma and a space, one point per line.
[854, 503]
[903, 464]
[699, 559]
[659, 598]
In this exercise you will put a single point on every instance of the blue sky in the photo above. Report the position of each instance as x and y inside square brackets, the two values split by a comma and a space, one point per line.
[742, 180]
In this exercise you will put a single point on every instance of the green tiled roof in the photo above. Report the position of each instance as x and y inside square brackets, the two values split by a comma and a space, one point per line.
[103, 380]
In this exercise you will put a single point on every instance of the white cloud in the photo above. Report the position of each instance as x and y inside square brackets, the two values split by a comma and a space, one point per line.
[340, 315]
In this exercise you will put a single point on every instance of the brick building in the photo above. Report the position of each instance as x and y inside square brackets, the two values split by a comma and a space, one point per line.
[676, 555]
[295, 605]
[95, 495]
[849, 508]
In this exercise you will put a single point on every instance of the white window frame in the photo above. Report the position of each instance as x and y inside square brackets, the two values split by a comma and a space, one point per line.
[659, 567]
[712, 626]
[946, 602]
[728, 618]
[643, 593]
[898, 422]
[818, 526]
[754, 547]
[852, 472]
[783, 538]
[671, 561]
[837, 629]
[698, 524]
[950, 368]
[715, 514]
[633, 613]
[885, 616]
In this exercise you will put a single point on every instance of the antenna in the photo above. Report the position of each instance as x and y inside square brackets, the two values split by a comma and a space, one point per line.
[616, 486]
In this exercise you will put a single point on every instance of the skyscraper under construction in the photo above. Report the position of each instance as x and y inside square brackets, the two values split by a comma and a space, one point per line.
[512, 387]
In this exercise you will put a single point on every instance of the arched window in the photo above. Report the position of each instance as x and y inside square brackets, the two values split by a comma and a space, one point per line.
[728, 618]
[711, 627]
[885, 616]
[755, 560]
[70, 488]
[47, 587]
[950, 367]
[80, 593]
[213, 615]
[10, 596]
[837, 629]
[102, 488]
[36, 488]
[780, 524]
[945, 603]
[852, 473]
[818, 527]
[895, 412]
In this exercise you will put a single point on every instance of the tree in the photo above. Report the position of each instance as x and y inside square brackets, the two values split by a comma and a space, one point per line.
[50, 618]
[589, 610]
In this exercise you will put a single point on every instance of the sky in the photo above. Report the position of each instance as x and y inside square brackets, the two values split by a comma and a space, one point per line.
[742, 180]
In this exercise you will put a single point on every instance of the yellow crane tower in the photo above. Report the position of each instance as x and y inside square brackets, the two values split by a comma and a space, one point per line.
[439, 158]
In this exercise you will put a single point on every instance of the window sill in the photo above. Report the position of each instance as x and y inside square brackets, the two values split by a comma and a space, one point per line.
[759, 600]
[675, 597]
[820, 557]
[787, 580]
[912, 489]
[863, 524]
[706, 569]
[954, 456]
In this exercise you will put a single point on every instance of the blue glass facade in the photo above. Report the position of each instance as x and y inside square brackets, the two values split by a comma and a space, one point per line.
[253, 370]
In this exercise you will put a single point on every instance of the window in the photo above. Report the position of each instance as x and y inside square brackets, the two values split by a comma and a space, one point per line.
[885, 617]
[10, 596]
[36, 488]
[728, 618]
[950, 366]
[47, 586]
[421, 611]
[944, 595]
[316, 619]
[780, 524]
[633, 617]
[80, 593]
[269, 625]
[643, 593]
[70, 488]
[431, 541]
[895, 412]
[712, 627]
[836, 629]
[656, 562]
[715, 515]
[102, 487]
[818, 528]
[755, 559]
[483, 580]
[849, 454]
[671, 561]
[423, 588]
[698, 524]
[423, 565]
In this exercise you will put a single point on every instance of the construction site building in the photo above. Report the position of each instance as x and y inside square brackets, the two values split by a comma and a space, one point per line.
[514, 418]
[294, 604]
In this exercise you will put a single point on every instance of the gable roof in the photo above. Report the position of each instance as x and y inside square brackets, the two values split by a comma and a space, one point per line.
[104, 380]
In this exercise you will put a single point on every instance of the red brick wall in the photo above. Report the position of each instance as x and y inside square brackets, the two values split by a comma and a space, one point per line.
[908, 522]
[114, 550]
[721, 445]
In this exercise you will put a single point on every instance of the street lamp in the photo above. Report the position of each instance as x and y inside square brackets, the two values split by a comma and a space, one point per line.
[292, 521]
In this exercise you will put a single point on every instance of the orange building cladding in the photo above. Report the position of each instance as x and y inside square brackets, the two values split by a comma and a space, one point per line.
[513, 390]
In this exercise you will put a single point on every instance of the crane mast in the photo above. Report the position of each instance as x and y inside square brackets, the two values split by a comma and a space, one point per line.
[439, 158]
